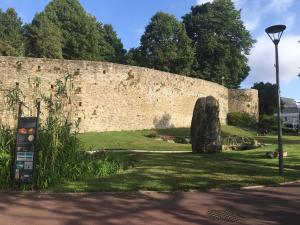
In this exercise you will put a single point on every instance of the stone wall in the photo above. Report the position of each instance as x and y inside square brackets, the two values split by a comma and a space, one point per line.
[107, 96]
[243, 101]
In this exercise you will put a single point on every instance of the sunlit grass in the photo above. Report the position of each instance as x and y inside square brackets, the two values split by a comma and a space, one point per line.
[188, 171]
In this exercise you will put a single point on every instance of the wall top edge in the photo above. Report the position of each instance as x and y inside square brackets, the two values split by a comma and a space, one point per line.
[244, 89]
[110, 64]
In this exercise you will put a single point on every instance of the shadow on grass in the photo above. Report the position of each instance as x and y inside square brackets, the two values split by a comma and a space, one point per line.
[186, 171]
[274, 140]
[175, 132]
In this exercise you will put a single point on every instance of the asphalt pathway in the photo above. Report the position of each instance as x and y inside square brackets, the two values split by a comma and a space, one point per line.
[271, 205]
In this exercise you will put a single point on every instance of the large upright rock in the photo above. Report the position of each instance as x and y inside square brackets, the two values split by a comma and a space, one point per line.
[206, 128]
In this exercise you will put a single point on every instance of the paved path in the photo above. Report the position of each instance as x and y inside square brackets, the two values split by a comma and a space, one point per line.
[274, 205]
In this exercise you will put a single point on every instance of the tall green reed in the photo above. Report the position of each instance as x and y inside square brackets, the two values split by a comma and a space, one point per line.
[59, 155]
[6, 147]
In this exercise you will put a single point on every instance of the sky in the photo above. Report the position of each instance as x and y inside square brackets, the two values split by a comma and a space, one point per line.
[130, 17]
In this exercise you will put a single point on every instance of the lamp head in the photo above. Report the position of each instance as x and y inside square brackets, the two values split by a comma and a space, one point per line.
[275, 32]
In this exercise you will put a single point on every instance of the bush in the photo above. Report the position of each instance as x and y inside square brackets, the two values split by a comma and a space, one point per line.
[59, 157]
[267, 123]
[242, 119]
[5, 161]
[6, 147]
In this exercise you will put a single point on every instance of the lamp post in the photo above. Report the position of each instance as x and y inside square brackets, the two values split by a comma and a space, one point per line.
[298, 129]
[275, 33]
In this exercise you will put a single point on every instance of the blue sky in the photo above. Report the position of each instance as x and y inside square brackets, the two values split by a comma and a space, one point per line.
[130, 17]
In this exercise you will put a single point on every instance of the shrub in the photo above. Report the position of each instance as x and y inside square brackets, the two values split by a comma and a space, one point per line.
[241, 119]
[6, 147]
[152, 134]
[5, 161]
[108, 163]
[59, 157]
[267, 123]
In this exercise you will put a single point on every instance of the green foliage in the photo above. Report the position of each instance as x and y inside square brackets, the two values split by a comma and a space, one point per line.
[116, 51]
[221, 42]
[267, 95]
[108, 163]
[187, 171]
[6, 148]
[59, 155]
[13, 97]
[241, 119]
[79, 30]
[5, 163]
[165, 45]
[65, 30]
[44, 38]
[11, 40]
[267, 123]
[59, 150]
[133, 57]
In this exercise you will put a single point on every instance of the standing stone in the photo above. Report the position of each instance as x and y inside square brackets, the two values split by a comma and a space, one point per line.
[197, 136]
[206, 128]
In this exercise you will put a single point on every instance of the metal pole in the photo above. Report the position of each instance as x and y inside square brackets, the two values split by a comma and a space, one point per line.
[280, 151]
[299, 121]
[38, 108]
[15, 150]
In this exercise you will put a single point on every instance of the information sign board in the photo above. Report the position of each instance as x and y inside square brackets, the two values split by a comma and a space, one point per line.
[25, 150]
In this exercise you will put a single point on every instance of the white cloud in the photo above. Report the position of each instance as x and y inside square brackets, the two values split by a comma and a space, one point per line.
[252, 24]
[200, 2]
[254, 13]
[279, 6]
[290, 20]
[262, 60]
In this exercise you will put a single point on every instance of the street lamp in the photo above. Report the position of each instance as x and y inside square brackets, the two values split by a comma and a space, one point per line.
[275, 33]
[298, 130]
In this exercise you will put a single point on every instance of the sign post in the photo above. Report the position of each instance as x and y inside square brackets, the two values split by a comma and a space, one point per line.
[25, 150]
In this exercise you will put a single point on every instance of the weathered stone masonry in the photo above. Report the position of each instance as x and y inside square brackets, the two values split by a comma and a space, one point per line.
[111, 97]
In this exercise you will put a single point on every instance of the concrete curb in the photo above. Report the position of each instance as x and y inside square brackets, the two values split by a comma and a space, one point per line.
[138, 150]
[149, 192]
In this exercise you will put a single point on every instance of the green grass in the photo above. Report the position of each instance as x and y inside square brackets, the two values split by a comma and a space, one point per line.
[187, 171]
[134, 140]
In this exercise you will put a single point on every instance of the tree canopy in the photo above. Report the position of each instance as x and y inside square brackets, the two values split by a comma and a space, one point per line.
[267, 95]
[11, 39]
[221, 42]
[74, 34]
[116, 49]
[166, 46]
[44, 38]
[210, 43]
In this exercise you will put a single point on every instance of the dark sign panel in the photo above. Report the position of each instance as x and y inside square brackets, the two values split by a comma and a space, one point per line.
[25, 150]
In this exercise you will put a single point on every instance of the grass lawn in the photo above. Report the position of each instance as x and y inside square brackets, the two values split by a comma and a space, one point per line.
[186, 171]
[137, 140]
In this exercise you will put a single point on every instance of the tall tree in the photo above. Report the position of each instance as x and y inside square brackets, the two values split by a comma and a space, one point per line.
[221, 41]
[267, 95]
[118, 52]
[44, 38]
[74, 33]
[79, 30]
[166, 46]
[11, 40]
[133, 57]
